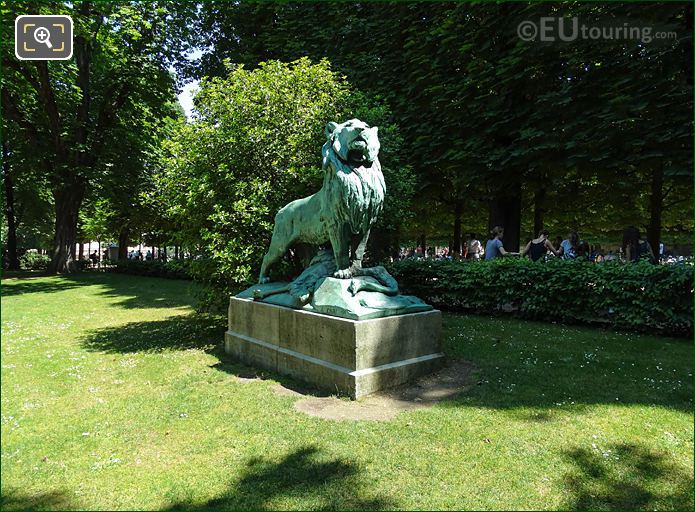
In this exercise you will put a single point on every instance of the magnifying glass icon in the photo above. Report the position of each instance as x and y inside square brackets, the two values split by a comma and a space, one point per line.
[43, 36]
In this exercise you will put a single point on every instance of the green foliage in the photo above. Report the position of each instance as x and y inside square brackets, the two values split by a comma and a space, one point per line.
[172, 269]
[90, 121]
[34, 261]
[95, 221]
[641, 296]
[583, 124]
[254, 145]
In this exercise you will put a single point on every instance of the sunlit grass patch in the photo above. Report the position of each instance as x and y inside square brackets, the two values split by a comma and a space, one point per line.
[116, 395]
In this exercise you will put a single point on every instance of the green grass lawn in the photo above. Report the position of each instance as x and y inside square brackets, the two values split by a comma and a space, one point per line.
[116, 396]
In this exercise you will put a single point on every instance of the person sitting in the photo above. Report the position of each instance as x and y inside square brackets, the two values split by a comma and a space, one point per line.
[634, 247]
[494, 247]
[584, 250]
[539, 247]
[569, 246]
[596, 255]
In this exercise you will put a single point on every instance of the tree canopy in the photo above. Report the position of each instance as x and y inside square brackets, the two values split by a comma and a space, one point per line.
[589, 134]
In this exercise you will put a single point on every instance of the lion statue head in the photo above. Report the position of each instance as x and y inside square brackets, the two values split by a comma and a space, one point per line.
[354, 141]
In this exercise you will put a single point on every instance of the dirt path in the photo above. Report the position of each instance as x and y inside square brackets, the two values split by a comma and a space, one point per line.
[384, 406]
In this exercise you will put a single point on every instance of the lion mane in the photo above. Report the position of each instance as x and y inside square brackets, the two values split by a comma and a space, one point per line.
[354, 193]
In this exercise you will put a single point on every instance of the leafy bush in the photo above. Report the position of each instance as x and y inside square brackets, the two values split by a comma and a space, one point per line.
[254, 145]
[172, 269]
[641, 296]
[34, 261]
[83, 264]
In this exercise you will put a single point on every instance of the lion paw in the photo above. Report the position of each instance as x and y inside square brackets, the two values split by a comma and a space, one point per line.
[344, 273]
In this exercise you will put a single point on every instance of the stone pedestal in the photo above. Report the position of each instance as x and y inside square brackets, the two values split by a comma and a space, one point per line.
[352, 357]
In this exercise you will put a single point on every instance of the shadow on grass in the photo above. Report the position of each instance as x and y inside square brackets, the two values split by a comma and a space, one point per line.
[540, 372]
[626, 477]
[138, 292]
[228, 364]
[25, 284]
[12, 499]
[194, 331]
[132, 292]
[305, 476]
[178, 333]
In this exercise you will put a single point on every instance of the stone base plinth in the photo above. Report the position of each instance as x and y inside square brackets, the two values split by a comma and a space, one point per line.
[352, 357]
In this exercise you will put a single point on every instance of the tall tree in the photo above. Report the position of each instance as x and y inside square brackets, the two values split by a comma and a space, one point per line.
[72, 111]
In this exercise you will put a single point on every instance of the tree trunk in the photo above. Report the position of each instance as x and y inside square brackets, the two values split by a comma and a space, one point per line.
[12, 256]
[538, 210]
[68, 198]
[123, 237]
[456, 244]
[505, 211]
[656, 207]
[81, 251]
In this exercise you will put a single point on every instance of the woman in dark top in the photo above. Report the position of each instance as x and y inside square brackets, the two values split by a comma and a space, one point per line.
[634, 248]
[538, 247]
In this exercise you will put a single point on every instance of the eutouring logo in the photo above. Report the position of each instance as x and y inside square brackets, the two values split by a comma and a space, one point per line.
[551, 29]
[43, 37]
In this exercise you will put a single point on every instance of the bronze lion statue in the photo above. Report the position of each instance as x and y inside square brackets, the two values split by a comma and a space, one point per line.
[346, 207]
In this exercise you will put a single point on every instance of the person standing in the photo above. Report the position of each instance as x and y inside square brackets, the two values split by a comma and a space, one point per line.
[494, 247]
[539, 247]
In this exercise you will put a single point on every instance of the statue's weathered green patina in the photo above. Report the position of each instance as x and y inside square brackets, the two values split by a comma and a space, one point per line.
[342, 213]
[345, 208]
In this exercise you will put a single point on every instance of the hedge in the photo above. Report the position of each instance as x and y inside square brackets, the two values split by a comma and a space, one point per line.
[639, 296]
[172, 269]
[34, 261]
